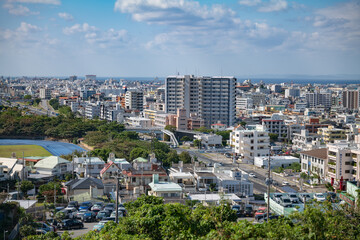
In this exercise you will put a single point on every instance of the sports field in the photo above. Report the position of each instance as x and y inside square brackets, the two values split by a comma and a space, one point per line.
[29, 150]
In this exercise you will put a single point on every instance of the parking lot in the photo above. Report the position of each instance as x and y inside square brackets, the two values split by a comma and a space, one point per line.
[78, 232]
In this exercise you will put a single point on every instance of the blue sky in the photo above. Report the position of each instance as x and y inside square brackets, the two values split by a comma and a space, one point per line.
[164, 37]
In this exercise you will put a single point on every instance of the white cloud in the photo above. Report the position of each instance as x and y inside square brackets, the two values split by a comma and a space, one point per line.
[173, 12]
[249, 3]
[53, 2]
[79, 28]
[22, 33]
[94, 35]
[19, 10]
[66, 16]
[274, 6]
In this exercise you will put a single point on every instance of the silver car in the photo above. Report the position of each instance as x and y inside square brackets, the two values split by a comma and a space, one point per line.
[293, 197]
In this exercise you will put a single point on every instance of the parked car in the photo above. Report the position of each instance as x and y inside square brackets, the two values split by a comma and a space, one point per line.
[285, 202]
[293, 197]
[88, 216]
[113, 214]
[102, 214]
[237, 209]
[44, 226]
[110, 207]
[285, 183]
[97, 206]
[260, 211]
[259, 217]
[123, 210]
[73, 204]
[319, 197]
[248, 210]
[272, 216]
[252, 175]
[54, 211]
[109, 219]
[85, 205]
[304, 197]
[52, 222]
[277, 197]
[80, 213]
[69, 213]
[99, 226]
[70, 224]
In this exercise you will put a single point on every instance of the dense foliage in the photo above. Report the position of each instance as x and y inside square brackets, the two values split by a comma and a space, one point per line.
[150, 218]
[65, 126]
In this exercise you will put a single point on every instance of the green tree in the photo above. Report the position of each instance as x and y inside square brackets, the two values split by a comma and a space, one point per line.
[185, 157]
[138, 152]
[130, 135]
[172, 157]
[26, 186]
[95, 138]
[27, 230]
[170, 128]
[102, 153]
[273, 137]
[185, 139]
[54, 103]
[37, 101]
[225, 136]
[27, 97]
[66, 111]
[197, 143]
[203, 129]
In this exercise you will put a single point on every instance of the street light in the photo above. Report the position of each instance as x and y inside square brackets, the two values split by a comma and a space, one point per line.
[268, 182]
[5, 234]
[117, 199]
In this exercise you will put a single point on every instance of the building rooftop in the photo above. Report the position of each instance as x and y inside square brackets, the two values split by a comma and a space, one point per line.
[318, 153]
[50, 162]
[165, 187]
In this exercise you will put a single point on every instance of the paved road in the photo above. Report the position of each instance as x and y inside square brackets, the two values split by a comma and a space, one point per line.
[78, 232]
[55, 148]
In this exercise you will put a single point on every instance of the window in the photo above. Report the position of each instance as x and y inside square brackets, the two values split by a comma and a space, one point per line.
[347, 154]
[347, 163]
[347, 171]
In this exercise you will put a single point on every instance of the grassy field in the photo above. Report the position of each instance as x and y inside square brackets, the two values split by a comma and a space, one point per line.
[29, 150]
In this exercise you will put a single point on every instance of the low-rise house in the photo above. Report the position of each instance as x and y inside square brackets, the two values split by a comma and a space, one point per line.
[88, 166]
[140, 175]
[53, 165]
[209, 140]
[91, 186]
[305, 141]
[275, 161]
[218, 127]
[164, 189]
[204, 179]
[214, 198]
[12, 169]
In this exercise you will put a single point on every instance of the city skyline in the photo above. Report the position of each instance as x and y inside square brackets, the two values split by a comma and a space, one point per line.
[160, 38]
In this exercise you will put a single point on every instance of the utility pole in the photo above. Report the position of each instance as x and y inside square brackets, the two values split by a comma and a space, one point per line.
[23, 170]
[117, 201]
[73, 165]
[268, 190]
[54, 194]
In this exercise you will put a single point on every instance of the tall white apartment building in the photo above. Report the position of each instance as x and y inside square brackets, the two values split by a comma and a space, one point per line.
[250, 143]
[343, 162]
[316, 99]
[45, 93]
[134, 100]
[212, 98]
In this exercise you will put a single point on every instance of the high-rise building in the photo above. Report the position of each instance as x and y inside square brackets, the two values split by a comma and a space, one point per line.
[134, 100]
[212, 98]
[351, 99]
[45, 93]
[317, 99]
